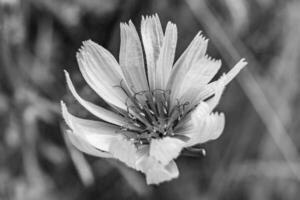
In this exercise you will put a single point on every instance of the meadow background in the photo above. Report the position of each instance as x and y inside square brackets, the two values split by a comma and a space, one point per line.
[256, 158]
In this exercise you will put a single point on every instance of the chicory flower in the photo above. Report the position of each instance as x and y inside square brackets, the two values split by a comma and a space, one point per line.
[157, 108]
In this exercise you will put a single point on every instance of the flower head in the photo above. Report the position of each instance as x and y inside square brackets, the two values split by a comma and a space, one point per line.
[157, 109]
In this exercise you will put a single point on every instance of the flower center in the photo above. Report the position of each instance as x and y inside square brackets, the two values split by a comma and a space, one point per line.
[149, 115]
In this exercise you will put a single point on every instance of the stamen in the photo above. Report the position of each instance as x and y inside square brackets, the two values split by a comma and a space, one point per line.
[149, 112]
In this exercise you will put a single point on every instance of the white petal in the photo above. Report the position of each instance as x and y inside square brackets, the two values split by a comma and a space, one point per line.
[198, 114]
[200, 73]
[209, 128]
[166, 56]
[214, 101]
[102, 73]
[207, 91]
[84, 146]
[201, 111]
[159, 173]
[155, 171]
[131, 58]
[234, 71]
[193, 53]
[219, 85]
[220, 118]
[143, 161]
[139, 159]
[166, 149]
[98, 134]
[124, 150]
[152, 36]
[193, 81]
[98, 111]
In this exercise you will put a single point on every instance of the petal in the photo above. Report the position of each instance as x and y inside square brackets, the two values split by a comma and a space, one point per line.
[213, 91]
[166, 56]
[209, 128]
[207, 91]
[166, 149]
[139, 159]
[193, 53]
[214, 101]
[155, 171]
[102, 73]
[124, 150]
[200, 73]
[219, 85]
[219, 118]
[152, 37]
[82, 145]
[159, 173]
[98, 111]
[131, 58]
[97, 134]
[144, 162]
[234, 71]
[197, 76]
[201, 111]
[186, 125]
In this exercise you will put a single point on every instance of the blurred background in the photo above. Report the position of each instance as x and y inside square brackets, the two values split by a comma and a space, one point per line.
[256, 158]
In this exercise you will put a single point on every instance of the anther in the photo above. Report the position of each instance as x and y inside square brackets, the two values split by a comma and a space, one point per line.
[165, 110]
[151, 112]
[137, 124]
[140, 106]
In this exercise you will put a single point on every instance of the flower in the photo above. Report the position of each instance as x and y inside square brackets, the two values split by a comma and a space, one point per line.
[157, 109]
